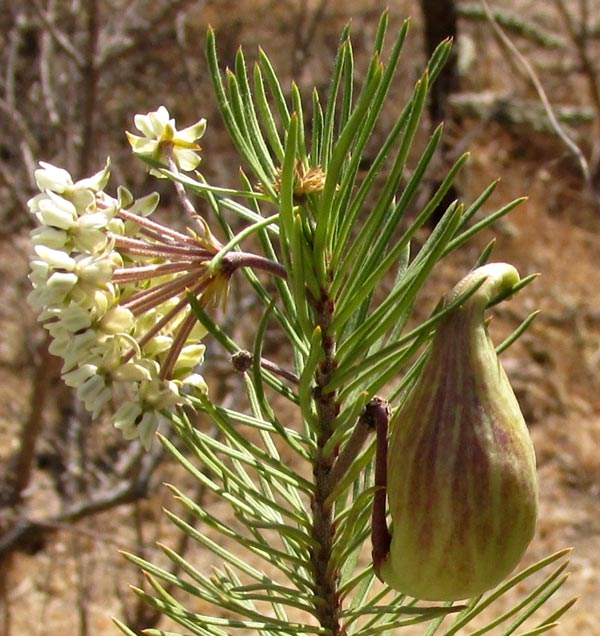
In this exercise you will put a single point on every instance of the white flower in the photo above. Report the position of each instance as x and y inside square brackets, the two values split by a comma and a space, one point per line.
[50, 237]
[74, 349]
[95, 271]
[54, 210]
[72, 318]
[196, 381]
[126, 419]
[134, 421]
[56, 259]
[161, 139]
[54, 291]
[148, 427]
[132, 372]
[117, 320]
[94, 393]
[49, 177]
[79, 375]
[191, 356]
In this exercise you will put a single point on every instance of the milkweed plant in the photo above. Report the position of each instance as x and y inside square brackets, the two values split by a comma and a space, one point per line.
[336, 525]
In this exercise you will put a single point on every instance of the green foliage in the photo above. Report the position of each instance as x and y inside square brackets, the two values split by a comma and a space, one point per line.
[291, 556]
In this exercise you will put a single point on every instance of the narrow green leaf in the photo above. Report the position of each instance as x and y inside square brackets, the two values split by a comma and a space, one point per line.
[380, 34]
[229, 345]
[542, 629]
[275, 88]
[551, 620]
[439, 58]
[430, 612]
[353, 473]
[238, 238]
[299, 111]
[290, 566]
[307, 377]
[368, 365]
[345, 421]
[480, 604]
[123, 627]
[347, 83]
[302, 276]
[517, 333]
[404, 293]
[370, 243]
[266, 114]
[215, 331]
[249, 113]
[252, 151]
[286, 195]
[317, 130]
[531, 598]
[230, 108]
[325, 223]
[509, 293]
[480, 225]
[539, 602]
[244, 451]
[476, 206]
[201, 187]
[485, 254]
[332, 97]
[436, 624]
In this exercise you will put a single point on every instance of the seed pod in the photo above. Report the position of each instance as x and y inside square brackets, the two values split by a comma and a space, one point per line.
[461, 478]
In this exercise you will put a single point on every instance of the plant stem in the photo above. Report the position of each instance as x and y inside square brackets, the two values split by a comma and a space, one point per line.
[243, 360]
[323, 531]
[181, 193]
[381, 538]
[368, 422]
[89, 79]
[235, 260]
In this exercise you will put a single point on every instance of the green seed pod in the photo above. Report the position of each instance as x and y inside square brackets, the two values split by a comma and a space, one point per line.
[461, 478]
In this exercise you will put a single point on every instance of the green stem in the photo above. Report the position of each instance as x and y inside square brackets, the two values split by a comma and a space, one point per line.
[323, 531]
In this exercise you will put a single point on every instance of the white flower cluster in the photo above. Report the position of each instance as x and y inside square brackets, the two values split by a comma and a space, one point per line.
[110, 286]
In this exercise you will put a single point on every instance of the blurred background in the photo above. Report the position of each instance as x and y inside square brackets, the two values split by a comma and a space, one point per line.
[73, 73]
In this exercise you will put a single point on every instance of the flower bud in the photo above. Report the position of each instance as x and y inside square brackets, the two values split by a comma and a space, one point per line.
[461, 466]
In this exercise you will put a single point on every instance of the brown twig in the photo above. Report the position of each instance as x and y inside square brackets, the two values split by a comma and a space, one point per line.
[46, 61]
[60, 38]
[22, 464]
[580, 36]
[138, 40]
[89, 88]
[5, 616]
[128, 489]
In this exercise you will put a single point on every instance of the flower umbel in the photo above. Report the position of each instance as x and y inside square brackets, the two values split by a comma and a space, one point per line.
[161, 140]
[112, 289]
